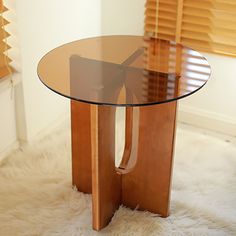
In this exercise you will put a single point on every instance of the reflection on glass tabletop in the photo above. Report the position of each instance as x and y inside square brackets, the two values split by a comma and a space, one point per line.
[124, 70]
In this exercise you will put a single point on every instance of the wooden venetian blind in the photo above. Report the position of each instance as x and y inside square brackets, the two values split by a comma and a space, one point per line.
[5, 68]
[206, 25]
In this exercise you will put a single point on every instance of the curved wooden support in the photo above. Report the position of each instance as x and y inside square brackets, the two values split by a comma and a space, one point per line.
[129, 157]
[131, 132]
[128, 138]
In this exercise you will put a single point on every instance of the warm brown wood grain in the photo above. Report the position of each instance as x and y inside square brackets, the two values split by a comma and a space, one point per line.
[128, 137]
[81, 146]
[129, 157]
[150, 145]
[106, 183]
[147, 186]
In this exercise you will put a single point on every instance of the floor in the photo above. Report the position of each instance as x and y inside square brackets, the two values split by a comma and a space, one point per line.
[36, 197]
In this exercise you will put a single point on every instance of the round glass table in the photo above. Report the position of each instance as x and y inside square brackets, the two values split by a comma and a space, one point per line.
[147, 76]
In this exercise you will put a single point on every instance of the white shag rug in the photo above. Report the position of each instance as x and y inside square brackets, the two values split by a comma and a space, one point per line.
[36, 197]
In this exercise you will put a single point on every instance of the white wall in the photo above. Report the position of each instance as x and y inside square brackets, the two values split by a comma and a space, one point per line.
[123, 17]
[44, 25]
[37, 27]
[8, 136]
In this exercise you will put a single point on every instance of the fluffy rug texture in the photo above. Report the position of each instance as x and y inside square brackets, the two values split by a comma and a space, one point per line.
[36, 197]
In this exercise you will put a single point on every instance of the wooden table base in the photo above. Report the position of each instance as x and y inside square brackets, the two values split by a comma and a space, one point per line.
[143, 179]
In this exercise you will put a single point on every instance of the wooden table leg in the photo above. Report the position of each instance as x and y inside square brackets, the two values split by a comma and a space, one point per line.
[81, 146]
[147, 186]
[106, 183]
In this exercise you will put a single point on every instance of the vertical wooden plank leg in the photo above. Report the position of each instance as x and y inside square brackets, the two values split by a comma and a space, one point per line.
[106, 183]
[147, 186]
[81, 146]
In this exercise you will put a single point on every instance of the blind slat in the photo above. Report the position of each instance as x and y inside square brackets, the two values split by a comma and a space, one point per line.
[4, 46]
[3, 34]
[5, 68]
[4, 60]
[4, 71]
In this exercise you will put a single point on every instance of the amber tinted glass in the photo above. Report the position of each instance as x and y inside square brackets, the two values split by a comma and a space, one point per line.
[124, 70]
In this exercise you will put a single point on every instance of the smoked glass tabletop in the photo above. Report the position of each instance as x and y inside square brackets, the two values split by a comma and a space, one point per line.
[124, 70]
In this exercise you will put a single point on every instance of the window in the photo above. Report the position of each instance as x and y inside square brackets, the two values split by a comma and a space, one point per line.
[206, 25]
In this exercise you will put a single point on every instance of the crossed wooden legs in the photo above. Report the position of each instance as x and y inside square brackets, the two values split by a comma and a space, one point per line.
[147, 185]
